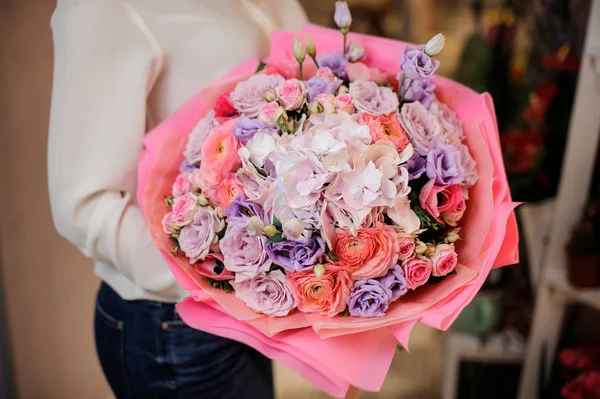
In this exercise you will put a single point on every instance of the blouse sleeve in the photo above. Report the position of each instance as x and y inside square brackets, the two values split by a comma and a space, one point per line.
[106, 62]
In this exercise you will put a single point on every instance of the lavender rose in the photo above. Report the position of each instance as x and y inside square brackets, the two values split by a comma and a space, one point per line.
[316, 86]
[416, 64]
[249, 96]
[468, 165]
[395, 281]
[420, 125]
[244, 254]
[415, 166]
[370, 298]
[452, 131]
[240, 209]
[418, 90]
[245, 128]
[444, 164]
[334, 61]
[196, 239]
[193, 149]
[373, 99]
[267, 293]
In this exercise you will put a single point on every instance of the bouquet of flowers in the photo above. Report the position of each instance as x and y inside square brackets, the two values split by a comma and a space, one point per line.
[319, 206]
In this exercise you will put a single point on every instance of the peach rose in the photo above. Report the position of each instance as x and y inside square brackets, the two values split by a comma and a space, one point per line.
[344, 104]
[438, 199]
[416, 271]
[328, 102]
[219, 154]
[407, 248]
[270, 112]
[325, 295]
[386, 127]
[227, 191]
[359, 71]
[443, 259]
[369, 254]
[184, 209]
[292, 94]
[453, 215]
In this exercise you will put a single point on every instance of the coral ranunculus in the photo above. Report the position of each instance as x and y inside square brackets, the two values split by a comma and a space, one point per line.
[219, 154]
[227, 191]
[325, 295]
[386, 127]
[369, 254]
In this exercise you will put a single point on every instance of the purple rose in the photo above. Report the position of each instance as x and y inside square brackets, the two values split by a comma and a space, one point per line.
[196, 239]
[370, 298]
[373, 99]
[395, 281]
[267, 293]
[249, 95]
[452, 130]
[196, 139]
[281, 253]
[418, 90]
[334, 61]
[420, 125]
[444, 164]
[415, 166]
[244, 254]
[240, 209]
[186, 167]
[316, 86]
[245, 128]
[416, 64]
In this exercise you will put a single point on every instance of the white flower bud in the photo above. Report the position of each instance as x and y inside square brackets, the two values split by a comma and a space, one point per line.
[311, 49]
[270, 95]
[202, 200]
[430, 249]
[315, 107]
[270, 230]
[293, 229]
[420, 247]
[355, 52]
[453, 236]
[299, 50]
[220, 213]
[435, 45]
[342, 16]
[254, 226]
[319, 269]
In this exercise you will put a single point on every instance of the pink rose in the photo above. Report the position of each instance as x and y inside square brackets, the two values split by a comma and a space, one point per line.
[270, 112]
[443, 259]
[287, 69]
[182, 185]
[369, 97]
[292, 94]
[328, 103]
[343, 103]
[417, 271]
[199, 237]
[184, 209]
[249, 95]
[438, 199]
[267, 293]
[454, 215]
[407, 248]
[227, 191]
[220, 154]
[359, 71]
[325, 73]
[167, 224]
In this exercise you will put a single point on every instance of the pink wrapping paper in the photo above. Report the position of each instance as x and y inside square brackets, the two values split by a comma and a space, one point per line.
[334, 353]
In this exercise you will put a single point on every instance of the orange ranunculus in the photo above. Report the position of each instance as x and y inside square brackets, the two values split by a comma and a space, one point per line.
[386, 127]
[325, 295]
[219, 154]
[227, 191]
[369, 254]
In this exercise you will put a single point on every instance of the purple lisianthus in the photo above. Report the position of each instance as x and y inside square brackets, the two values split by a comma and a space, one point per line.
[373, 99]
[334, 61]
[306, 254]
[370, 298]
[395, 281]
[281, 253]
[244, 254]
[444, 164]
[316, 86]
[417, 90]
[196, 239]
[267, 293]
[240, 209]
[245, 128]
[416, 64]
[186, 167]
[420, 125]
[416, 166]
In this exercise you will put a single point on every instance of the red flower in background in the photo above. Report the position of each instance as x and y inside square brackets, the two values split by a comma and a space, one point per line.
[224, 107]
[576, 359]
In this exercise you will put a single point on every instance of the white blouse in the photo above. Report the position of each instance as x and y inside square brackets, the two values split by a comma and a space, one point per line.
[121, 67]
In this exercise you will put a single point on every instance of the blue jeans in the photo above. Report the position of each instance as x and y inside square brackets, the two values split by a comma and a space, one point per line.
[147, 351]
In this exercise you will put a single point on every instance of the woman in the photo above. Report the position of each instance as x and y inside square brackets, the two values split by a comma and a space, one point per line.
[122, 66]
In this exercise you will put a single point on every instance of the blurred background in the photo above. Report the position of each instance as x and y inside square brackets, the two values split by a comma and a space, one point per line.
[532, 332]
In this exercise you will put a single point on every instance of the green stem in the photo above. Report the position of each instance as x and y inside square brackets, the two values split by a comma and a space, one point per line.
[315, 61]
[407, 87]
[345, 48]
[300, 67]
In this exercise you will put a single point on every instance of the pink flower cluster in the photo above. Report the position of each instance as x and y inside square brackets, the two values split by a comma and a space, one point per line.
[325, 194]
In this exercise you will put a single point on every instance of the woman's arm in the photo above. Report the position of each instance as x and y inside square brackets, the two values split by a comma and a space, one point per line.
[106, 62]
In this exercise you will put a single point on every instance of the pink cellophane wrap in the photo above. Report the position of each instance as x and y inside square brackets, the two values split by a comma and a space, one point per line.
[334, 353]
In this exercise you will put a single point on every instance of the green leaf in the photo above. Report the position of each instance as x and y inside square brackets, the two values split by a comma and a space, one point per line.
[277, 222]
[220, 284]
[330, 254]
[260, 67]
[277, 237]
[221, 233]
